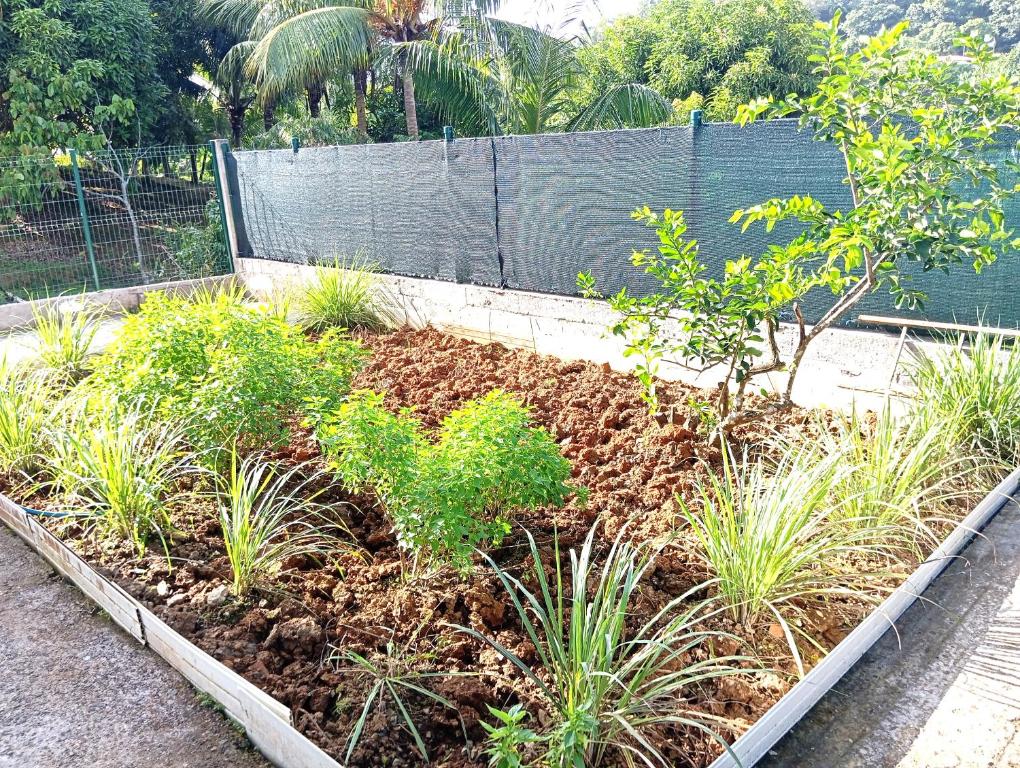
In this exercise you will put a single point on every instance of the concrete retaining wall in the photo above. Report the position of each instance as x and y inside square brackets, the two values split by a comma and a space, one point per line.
[19, 315]
[841, 367]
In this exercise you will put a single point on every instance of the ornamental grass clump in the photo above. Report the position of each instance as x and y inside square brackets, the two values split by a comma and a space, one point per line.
[400, 674]
[773, 538]
[65, 335]
[346, 294]
[120, 466]
[448, 496]
[613, 692]
[25, 407]
[269, 517]
[902, 476]
[229, 371]
[971, 392]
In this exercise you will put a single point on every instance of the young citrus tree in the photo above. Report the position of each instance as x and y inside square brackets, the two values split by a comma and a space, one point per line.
[918, 135]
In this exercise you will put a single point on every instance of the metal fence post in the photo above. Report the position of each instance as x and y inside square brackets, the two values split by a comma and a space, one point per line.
[219, 148]
[295, 144]
[86, 228]
[448, 132]
[696, 117]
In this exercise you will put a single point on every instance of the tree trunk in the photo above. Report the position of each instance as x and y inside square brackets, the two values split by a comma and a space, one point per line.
[268, 114]
[360, 83]
[235, 114]
[314, 93]
[410, 106]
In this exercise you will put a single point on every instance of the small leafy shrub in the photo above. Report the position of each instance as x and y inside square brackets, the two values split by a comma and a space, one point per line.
[918, 134]
[346, 294]
[727, 321]
[25, 411]
[65, 334]
[973, 393]
[613, 692]
[507, 737]
[200, 251]
[329, 129]
[226, 370]
[121, 466]
[448, 496]
[267, 518]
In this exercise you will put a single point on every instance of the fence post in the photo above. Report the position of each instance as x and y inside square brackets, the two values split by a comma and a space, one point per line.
[295, 144]
[86, 228]
[696, 118]
[448, 132]
[219, 148]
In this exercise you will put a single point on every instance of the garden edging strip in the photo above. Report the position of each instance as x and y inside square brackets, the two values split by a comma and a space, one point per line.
[753, 745]
[265, 720]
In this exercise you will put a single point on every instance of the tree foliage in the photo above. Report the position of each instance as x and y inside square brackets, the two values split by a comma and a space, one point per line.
[725, 53]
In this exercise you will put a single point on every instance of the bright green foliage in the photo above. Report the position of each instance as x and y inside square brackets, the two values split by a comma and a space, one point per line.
[610, 688]
[971, 393]
[507, 737]
[25, 411]
[722, 53]
[772, 538]
[63, 60]
[346, 294]
[267, 518]
[329, 129]
[121, 466]
[448, 496]
[922, 139]
[704, 321]
[226, 370]
[65, 335]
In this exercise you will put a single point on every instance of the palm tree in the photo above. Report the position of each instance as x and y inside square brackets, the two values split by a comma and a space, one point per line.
[486, 75]
[304, 40]
[504, 78]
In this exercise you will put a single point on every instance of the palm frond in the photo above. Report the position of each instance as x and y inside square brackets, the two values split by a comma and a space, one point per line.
[626, 105]
[312, 45]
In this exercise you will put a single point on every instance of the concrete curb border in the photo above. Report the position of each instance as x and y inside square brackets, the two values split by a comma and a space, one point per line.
[266, 721]
[268, 724]
[755, 743]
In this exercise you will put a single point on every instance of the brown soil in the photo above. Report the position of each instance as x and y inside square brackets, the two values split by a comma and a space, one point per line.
[365, 602]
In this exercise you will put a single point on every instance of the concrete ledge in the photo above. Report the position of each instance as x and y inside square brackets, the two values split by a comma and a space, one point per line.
[116, 301]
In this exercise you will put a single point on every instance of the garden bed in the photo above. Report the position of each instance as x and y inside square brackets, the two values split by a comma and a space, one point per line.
[633, 467]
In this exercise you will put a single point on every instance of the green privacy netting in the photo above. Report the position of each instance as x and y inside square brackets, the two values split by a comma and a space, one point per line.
[530, 212]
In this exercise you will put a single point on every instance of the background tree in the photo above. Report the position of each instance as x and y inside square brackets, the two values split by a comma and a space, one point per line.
[719, 53]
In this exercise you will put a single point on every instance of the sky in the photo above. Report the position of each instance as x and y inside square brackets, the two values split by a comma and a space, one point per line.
[552, 13]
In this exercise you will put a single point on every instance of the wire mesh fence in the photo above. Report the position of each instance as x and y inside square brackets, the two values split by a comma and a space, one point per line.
[72, 222]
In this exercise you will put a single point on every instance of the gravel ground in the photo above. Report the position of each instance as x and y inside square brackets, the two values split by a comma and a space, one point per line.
[946, 692]
[77, 692]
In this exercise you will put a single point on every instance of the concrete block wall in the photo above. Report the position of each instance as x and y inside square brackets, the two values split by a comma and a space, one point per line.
[842, 368]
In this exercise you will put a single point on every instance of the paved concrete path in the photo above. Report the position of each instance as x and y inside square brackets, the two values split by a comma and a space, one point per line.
[77, 692]
[947, 693]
